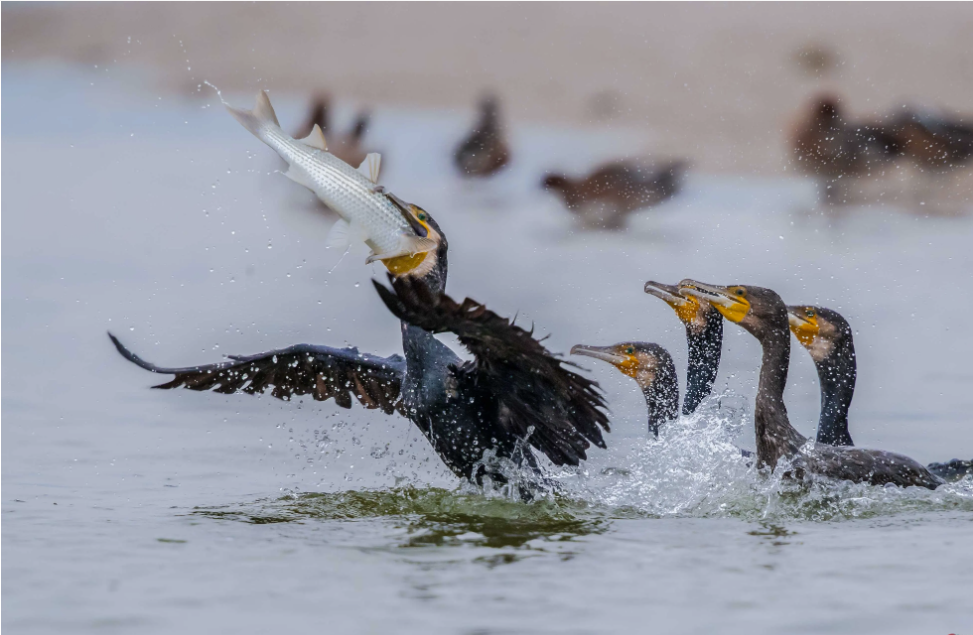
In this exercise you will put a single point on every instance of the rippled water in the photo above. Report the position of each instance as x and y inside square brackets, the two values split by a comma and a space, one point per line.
[136, 511]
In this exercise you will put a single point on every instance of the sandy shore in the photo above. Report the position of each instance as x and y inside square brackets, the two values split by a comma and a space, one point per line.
[717, 83]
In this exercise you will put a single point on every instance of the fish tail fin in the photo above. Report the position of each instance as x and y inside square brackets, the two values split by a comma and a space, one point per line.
[258, 120]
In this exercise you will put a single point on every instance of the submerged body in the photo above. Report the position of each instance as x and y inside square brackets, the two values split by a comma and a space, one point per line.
[828, 338]
[763, 314]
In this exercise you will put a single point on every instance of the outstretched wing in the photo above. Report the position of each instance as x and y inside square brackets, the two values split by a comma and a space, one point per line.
[304, 369]
[558, 411]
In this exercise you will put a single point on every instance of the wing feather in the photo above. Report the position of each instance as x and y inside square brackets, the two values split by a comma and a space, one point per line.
[305, 369]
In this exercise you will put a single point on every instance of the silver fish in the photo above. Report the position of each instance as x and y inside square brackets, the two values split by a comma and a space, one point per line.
[366, 209]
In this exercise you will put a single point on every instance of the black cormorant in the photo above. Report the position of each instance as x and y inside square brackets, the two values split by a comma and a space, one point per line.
[605, 198]
[834, 150]
[704, 335]
[827, 336]
[763, 314]
[651, 367]
[485, 150]
[477, 415]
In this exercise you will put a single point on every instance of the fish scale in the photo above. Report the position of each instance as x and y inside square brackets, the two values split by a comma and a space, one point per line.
[344, 189]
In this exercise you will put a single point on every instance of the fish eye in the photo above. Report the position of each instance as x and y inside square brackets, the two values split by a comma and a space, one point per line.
[809, 313]
[630, 350]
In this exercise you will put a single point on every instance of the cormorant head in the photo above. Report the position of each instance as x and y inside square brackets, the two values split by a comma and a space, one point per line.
[817, 329]
[760, 311]
[555, 182]
[361, 125]
[429, 265]
[641, 361]
[690, 311]
[826, 108]
[489, 108]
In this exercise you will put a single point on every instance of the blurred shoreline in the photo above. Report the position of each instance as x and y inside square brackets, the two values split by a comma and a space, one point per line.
[719, 84]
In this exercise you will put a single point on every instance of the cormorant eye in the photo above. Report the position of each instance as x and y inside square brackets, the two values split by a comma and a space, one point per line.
[809, 313]
[740, 292]
[630, 350]
[422, 216]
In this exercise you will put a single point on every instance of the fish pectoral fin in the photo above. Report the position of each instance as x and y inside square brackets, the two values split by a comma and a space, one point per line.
[316, 139]
[342, 234]
[370, 167]
[298, 176]
[408, 246]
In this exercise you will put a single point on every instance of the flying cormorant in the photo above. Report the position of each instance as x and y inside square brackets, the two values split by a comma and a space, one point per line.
[478, 415]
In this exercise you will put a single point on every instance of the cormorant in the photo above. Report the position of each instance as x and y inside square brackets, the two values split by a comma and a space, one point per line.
[651, 367]
[763, 314]
[704, 335]
[832, 149]
[827, 336]
[485, 150]
[477, 415]
[605, 198]
[933, 140]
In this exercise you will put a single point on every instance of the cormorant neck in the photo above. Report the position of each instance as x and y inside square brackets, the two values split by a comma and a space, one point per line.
[776, 437]
[705, 348]
[837, 373]
[662, 398]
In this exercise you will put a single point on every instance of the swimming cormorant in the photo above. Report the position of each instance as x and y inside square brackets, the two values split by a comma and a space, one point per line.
[763, 314]
[827, 336]
[485, 150]
[651, 367]
[832, 149]
[934, 140]
[704, 335]
[605, 198]
[477, 415]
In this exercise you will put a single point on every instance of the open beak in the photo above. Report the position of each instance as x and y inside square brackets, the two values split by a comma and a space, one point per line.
[406, 210]
[732, 307]
[795, 320]
[668, 293]
[604, 353]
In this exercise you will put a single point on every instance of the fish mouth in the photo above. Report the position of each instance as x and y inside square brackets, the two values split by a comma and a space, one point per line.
[668, 293]
[604, 353]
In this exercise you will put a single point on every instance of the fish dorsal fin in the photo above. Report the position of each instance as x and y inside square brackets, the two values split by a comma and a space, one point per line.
[263, 110]
[315, 139]
[370, 167]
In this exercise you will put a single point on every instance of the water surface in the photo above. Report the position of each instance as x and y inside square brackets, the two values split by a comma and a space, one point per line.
[139, 511]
